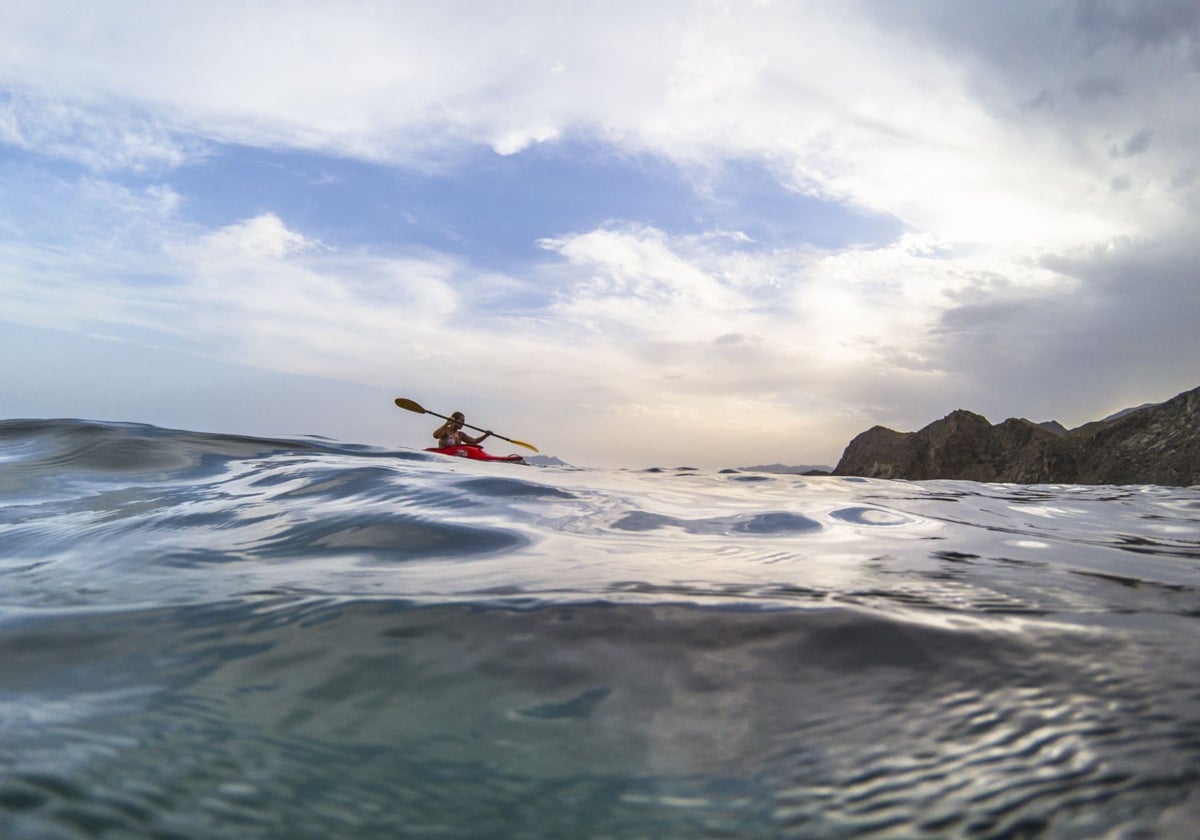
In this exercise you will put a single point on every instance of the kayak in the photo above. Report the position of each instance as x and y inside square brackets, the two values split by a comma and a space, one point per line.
[475, 453]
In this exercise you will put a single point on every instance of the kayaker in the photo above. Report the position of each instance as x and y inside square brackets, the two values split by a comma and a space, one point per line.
[450, 433]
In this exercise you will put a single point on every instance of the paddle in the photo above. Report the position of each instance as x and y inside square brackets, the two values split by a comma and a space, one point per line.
[410, 405]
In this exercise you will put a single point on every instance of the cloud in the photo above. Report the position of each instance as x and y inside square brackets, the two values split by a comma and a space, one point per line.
[1119, 327]
[770, 323]
[101, 139]
[900, 127]
[264, 237]
[1137, 144]
[98, 258]
[118, 261]
[633, 280]
[1145, 24]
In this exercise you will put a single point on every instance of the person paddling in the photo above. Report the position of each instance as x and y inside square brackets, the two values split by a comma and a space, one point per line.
[450, 433]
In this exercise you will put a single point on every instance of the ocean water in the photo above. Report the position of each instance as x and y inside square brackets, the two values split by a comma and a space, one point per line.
[206, 636]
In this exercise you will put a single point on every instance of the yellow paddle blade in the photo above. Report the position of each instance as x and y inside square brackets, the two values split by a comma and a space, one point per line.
[522, 443]
[409, 405]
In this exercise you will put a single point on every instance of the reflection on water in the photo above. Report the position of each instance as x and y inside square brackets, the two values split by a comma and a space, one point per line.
[206, 636]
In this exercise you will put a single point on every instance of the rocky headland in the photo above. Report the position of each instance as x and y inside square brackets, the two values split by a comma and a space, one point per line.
[1153, 444]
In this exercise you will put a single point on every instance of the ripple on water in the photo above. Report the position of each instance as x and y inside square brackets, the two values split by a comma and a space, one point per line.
[858, 515]
[776, 522]
[386, 538]
[781, 522]
[348, 716]
[512, 488]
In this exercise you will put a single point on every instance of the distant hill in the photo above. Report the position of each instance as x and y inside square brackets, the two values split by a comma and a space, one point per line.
[1157, 443]
[1125, 411]
[784, 469]
[545, 461]
[1053, 426]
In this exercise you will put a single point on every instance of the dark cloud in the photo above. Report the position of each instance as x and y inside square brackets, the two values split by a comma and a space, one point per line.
[1145, 22]
[1099, 87]
[1099, 76]
[1032, 55]
[1184, 178]
[1126, 334]
[1138, 144]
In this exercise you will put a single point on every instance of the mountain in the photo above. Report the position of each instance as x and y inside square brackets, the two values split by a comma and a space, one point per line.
[1152, 444]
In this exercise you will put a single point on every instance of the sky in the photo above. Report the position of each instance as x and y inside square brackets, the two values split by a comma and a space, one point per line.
[708, 234]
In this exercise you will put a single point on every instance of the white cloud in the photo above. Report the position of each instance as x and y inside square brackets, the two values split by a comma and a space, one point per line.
[807, 313]
[855, 103]
[119, 261]
[264, 237]
[635, 282]
[102, 139]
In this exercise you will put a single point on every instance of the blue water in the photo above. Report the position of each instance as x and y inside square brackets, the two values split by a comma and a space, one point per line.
[212, 636]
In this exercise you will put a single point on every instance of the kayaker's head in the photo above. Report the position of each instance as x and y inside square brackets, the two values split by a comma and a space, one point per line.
[458, 418]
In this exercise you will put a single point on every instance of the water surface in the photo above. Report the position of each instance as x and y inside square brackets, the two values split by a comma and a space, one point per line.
[215, 636]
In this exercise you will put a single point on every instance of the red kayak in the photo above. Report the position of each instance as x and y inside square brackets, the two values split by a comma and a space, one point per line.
[475, 453]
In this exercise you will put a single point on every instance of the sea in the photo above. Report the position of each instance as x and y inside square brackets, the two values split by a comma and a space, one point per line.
[218, 636]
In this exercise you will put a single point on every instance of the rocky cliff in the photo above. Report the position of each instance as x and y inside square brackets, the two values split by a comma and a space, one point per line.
[1154, 444]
